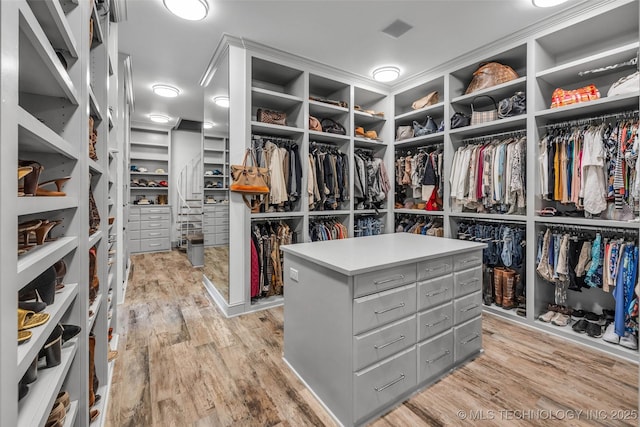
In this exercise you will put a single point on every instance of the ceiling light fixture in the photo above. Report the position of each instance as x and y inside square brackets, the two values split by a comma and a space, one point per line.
[547, 3]
[208, 125]
[386, 74]
[221, 101]
[191, 10]
[166, 91]
[159, 118]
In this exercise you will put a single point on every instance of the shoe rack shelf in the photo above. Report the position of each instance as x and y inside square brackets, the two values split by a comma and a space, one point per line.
[72, 414]
[215, 154]
[36, 261]
[149, 149]
[33, 205]
[36, 136]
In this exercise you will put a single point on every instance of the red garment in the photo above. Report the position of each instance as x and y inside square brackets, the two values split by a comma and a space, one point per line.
[255, 271]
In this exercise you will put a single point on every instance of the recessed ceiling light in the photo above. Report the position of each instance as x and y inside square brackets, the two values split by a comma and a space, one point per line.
[159, 118]
[208, 125]
[166, 91]
[191, 10]
[547, 3]
[386, 74]
[221, 101]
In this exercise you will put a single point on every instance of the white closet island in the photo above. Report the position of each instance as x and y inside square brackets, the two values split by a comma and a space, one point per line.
[369, 321]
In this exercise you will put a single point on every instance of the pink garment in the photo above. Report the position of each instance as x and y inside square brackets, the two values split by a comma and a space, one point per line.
[255, 271]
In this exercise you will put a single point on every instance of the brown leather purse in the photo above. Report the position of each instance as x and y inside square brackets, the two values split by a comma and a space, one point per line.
[490, 74]
[271, 117]
[249, 180]
[314, 124]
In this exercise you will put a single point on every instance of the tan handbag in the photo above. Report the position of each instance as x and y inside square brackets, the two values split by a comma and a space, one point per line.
[425, 101]
[478, 117]
[314, 124]
[404, 132]
[249, 180]
[271, 117]
[490, 74]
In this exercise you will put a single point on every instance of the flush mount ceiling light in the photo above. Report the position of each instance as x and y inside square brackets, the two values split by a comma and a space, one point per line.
[191, 10]
[221, 101]
[386, 74]
[166, 91]
[208, 125]
[547, 3]
[159, 118]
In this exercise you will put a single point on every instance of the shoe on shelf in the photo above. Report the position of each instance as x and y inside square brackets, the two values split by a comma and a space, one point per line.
[29, 319]
[594, 330]
[629, 341]
[63, 397]
[58, 414]
[548, 316]
[610, 334]
[24, 336]
[580, 326]
[594, 318]
[578, 314]
[608, 315]
[561, 319]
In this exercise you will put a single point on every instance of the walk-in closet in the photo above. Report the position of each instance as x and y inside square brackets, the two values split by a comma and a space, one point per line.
[386, 213]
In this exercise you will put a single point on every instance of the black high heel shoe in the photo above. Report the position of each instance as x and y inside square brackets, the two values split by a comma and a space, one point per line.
[32, 373]
[52, 350]
[42, 287]
[23, 390]
[69, 332]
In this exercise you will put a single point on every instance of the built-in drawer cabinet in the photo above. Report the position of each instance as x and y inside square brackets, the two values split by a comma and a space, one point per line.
[435, 321]
[467, 260]
[372, 311]
[467, 307]
[435, 291]
[434, 268]
[380, 280]
[467, 281]
[468, 339]
[154, 234]
[380, 343]
[215, 224]
[134, 226]
[152, 245]
[435, 356]
[149, 229]
[154, 225]
[384, 382]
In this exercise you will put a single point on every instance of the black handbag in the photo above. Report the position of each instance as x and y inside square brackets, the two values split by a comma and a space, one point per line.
[331, 126]
[460, 120]
[512, 106]
[427, 128]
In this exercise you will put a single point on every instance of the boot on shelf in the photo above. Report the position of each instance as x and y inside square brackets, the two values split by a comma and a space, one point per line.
[521, 300]
[487, 285]
[92, 368]
[508, 289]
[498, 278]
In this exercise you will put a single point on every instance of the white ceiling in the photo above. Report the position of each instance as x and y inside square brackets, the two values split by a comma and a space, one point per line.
[345, 34]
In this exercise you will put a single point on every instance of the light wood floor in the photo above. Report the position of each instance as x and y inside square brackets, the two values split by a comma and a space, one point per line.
[182, 363]
[216, 267]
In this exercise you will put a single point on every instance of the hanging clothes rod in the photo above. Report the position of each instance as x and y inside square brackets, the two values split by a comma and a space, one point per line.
[603, 230]
[408, 150]
[275, 218]
[323, 145]
[629, 63]
[491, 221]
[271, 138]
[518, 132]
[578, 122]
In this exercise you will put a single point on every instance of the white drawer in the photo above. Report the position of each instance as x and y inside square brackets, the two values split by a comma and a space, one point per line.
[134, 210]
[468, 339]
[222, 239]
[151, 245]
[209, 239]
[375, 310]
[384, 382]
[134, 235]
[134, 246]
[467, 307]
[435, 291]
[154, 234]
[435, 267]
[164, 216]
[376, 345]
[224, 220]
[467, 281]
[219, 229]
[435, 357]
[134, 218]
[467, 260]
[208, 220]
[155, 210]
[435, 321]
[208, 229]
[134, 226]
[380, 280]
[153, 225]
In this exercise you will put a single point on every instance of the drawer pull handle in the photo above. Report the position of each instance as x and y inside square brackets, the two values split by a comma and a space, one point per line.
[391, 279]
[397, 380]
[155, 225]
[441, 291]
[468, 260]
[155, 217]
[470, 282]
[444, 267]
[430, 325]
[154, 244]
[389, 309]
[445, 354]
[378, 347]
[154, 234]
[474, 337]
[469, 308]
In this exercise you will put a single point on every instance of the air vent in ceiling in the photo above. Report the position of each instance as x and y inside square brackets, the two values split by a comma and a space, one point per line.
[397, 28]
[189, 125]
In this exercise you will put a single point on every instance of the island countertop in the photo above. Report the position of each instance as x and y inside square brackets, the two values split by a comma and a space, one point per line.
[362, 254]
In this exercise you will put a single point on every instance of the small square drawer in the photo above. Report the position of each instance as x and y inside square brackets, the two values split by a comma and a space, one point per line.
[435, 291]
[375, 310]
[209, 239]
[222, 239]
[384, 382]
[380, 280]
[221, 229]
[134, 218]
[134, 246]
[435, 357]
[209, 229]
[467, 307]
[467, 281]
[380, 343]
[208, 220]
[154, 234]
[134, 226]
[224, 220]
[467, 260]
[155, 210]
[151, 225]
[164, 216]
[151, 245]
[435, 267]
[134, 235]
[435, 321]
[468, 339]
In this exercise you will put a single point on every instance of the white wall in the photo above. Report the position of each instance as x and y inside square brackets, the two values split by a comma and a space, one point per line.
[185, 145]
